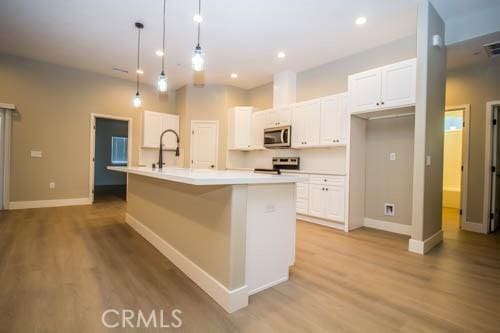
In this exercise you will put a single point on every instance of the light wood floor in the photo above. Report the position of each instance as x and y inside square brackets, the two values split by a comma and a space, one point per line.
[60, 268]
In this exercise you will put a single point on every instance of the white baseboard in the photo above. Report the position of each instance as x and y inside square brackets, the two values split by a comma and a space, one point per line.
[397, 228]
[230, 300]
[422, 247]
[474, 227]
[268, 285]
[326, 223]
[49, 203]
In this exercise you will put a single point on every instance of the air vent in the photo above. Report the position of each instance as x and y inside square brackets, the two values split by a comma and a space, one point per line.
[117, 69]
[493, 49]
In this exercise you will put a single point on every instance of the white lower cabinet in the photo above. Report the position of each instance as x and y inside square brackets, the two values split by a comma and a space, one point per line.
[323, 197]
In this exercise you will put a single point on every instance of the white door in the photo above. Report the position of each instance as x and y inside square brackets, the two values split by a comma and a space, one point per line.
[204, 144]
[2, 144]
[330, 121]
[399, 84]
[334, 203]
[365, 90]
[316, 200]
[495, 175]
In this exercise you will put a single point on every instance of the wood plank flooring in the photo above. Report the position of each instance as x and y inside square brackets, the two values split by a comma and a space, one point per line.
[60, 268]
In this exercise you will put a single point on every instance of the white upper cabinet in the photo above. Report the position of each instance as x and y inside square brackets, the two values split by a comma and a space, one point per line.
[279, 117]
[333, 120]
[306, 119]
[259, 120]
[385, 87]
[399, 84]
[154, 123]
[240, 128]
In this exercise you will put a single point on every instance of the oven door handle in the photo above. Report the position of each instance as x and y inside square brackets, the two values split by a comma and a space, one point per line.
[283, 136]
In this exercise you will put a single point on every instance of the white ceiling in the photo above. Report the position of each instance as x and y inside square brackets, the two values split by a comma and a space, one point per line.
[240, 36]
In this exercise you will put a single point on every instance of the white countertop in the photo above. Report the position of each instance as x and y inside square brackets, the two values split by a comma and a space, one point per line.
[209, 177]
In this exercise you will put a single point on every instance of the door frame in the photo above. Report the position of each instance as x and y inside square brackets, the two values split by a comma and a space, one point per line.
[93, 117]
[465, 160]
[191, 145]
[7, 110]
[487, 165]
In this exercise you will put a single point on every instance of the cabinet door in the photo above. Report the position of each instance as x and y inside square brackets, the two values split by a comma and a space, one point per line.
[283, 116]
[152, 126]
[302, 206]
[306, 118]
[317, 200]
[240, 128]
[343, 118]
[365, 90]
[399, 84]
[334, 203]
[298, 127]
[330, 118]
[258, 123]
[170, 122]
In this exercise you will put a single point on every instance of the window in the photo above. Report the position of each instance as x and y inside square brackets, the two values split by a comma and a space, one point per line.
[119, 150]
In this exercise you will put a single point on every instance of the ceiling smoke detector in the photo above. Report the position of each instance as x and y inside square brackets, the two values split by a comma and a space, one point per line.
[492, 49]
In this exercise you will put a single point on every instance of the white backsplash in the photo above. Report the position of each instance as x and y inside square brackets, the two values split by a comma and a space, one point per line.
[148, 156]
[314, 159]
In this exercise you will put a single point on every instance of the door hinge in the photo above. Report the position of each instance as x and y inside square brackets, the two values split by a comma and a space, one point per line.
[493, 169]
[460, 212]
[192, 132]
[94, 127]
[494, 121]
[93, 159]
[462, 168]
[463, 124]
[492, 216]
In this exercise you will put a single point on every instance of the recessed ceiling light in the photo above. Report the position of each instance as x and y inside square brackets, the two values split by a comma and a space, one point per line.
[361, 20]
[139, 71]
[198, 18]
[281, 55]
[234, 75]
[159, 53]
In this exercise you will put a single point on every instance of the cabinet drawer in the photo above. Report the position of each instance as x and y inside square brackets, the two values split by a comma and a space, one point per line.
[302, 206]
[302, 190]
[327, 180]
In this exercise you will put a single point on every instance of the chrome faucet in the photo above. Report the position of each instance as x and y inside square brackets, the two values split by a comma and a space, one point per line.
[160, 156]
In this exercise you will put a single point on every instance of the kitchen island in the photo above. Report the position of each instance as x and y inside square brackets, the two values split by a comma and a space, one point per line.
[231, 232]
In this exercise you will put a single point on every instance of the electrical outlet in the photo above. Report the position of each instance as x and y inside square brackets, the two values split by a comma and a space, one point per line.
[392, 156]
[389, 209]
[36, 154]
[52, 185]
[270, 208]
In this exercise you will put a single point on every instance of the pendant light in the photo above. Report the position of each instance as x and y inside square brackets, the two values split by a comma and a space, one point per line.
[198, 59]
[137, 101]
[162, 79]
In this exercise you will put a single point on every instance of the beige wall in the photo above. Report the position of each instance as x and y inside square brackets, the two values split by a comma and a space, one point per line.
[55, 104]
[261, 97]
[475, 86]
[207, 103]
[389, 181]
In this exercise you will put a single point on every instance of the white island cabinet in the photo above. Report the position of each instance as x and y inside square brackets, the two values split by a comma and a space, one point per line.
[231, 232]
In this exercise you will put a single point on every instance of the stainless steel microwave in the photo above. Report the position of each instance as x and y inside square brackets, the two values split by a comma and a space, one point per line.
[278, 137]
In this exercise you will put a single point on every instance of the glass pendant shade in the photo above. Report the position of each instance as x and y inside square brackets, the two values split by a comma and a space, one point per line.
[198, 59]
[137, 101]
[162, 83]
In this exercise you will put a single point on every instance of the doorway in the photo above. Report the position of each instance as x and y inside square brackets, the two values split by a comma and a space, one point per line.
[204, 144]
[110, 145]
[455, 166]
[492, 168]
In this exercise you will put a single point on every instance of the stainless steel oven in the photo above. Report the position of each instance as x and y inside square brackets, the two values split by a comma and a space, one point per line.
[278, 137]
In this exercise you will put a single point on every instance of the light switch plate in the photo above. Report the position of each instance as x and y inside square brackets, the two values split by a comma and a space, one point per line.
[52, 185]
[428, 160]
[36, 154]
[392, 156]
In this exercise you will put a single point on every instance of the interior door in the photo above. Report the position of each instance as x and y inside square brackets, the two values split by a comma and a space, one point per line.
[204, 144]
[495, 176]
[2, 144]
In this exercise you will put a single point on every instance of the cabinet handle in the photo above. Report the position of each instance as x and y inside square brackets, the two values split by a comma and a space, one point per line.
[327, 188]
[378, 103]
[382, 103]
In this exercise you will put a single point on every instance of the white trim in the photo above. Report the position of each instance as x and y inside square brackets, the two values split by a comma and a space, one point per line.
[7, 106]
[93, 117]
[49, 203]
[7, 136]
[422, 247]
[487, 165]
[326, 223]
[267, 285]
[395, 227]
[216, 122]
[230, 300]
[474, 227]
[465, 159]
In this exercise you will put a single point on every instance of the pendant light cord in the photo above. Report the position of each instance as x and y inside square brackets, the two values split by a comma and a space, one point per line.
[138, 57]
[199, 23]
[163, 57]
